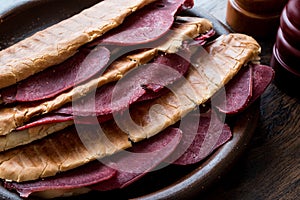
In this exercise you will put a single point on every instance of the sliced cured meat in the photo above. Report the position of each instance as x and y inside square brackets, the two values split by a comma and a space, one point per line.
[179, 61]
[8, 95]
[211, 134]
[92, 173]
[145, 83]
[52, 81]
[202, 39]
[115, 97]
[146, 25]
[46, 119]
[156, 149]
[153, 95]
[238, 93]
[140, 159]
[56, 118]
[188, 4]
[262, 77]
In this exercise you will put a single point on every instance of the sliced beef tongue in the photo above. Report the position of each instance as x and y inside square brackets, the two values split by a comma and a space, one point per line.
[115, 97]
[203, 39]
[113, 172]
[46, 119]
[153, 95]
[238, 93]
[245, 88]
[188, 4]
[262, 77]
[141, 159]
[50, 82]
[8, 94]
[194, 147]
[146, 25]
[89, 174]
[180, 61]
[145, 83]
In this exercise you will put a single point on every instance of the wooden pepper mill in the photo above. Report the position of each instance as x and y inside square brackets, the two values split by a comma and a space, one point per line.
[258, 18]
[286, 51]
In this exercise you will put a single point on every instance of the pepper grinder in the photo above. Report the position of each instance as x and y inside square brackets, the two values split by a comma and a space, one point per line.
[258, 18]
[286, 51]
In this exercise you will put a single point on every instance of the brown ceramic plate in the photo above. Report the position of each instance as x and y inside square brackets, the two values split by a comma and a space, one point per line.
[19, 19]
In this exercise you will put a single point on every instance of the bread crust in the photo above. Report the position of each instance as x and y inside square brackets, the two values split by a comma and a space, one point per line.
[17, 138]
[61, 152]
[56, 43]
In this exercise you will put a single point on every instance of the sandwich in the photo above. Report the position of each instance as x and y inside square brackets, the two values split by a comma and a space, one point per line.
[102, 98]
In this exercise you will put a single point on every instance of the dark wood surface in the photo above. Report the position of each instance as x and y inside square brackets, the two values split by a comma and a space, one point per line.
[270, 166]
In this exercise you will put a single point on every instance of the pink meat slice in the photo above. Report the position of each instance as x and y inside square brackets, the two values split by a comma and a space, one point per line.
[202, 39]
[155, 149]
[89, 174]
[263, 75]
[47, 119]
[153, 95]
[194, 147]
[188, 4]
[238, 93]
[146, 25]
[82, 66]
[163, 71]
[56, 118]
[140, 159]
[8, 95]
[115, 97]
[145, 83]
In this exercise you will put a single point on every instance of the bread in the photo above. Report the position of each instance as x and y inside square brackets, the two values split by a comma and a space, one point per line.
[17, 138]
[61, 152]
[60, 41]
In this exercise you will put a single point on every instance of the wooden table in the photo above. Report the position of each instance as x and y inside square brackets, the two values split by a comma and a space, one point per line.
[270, 167]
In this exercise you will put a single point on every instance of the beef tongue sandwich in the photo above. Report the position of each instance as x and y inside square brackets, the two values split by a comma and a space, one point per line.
[53, 46]
[139, 23]
[13, 117]
[37, 160]
[55, 146]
